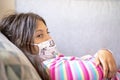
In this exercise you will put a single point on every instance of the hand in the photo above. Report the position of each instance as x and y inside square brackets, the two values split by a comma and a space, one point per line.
[105, 59]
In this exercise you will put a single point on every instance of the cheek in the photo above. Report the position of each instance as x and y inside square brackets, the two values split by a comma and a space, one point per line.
[35, 50]
[37, 40]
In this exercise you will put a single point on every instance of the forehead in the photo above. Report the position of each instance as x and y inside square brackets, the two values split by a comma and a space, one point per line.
[40, 25]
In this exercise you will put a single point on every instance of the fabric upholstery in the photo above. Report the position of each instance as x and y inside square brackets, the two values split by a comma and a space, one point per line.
[13, 63]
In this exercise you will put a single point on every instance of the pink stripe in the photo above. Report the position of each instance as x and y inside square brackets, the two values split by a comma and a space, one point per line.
[85, 72]
[119, 70]
[69, 72]
[100, 71]
[72, 58]
[52, 71]
[52, 68]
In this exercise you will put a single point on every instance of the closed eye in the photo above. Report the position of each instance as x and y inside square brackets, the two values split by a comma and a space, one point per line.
[40, 36]
[48, 31]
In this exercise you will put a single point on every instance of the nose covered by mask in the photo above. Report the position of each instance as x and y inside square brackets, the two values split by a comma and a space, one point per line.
[47, 50]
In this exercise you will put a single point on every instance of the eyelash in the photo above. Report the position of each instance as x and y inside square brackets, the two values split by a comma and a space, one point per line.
[41, 35]
[48, 32]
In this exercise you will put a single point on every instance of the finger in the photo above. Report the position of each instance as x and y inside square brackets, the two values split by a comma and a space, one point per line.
[104, 78]
[97, 61]
[110, 74]
[112, 71]
[105, 67]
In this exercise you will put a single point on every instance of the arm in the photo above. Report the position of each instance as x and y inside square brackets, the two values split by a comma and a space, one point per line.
[106, 60]
[73, 68]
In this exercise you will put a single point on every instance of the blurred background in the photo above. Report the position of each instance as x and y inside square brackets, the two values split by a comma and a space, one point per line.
[6, 7]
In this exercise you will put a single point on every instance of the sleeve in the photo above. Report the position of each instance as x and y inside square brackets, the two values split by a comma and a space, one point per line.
[73, 68]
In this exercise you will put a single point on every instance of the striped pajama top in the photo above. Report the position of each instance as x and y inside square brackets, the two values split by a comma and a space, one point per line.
[74, 68]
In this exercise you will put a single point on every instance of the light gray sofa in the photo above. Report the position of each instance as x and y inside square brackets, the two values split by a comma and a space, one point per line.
[13, 63]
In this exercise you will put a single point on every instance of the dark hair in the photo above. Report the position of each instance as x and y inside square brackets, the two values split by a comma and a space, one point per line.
[19, 29]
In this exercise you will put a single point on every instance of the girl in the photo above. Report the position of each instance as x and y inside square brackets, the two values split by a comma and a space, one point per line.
[28, 32]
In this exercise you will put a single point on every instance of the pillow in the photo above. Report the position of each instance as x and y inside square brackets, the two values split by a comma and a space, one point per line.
[14, 65]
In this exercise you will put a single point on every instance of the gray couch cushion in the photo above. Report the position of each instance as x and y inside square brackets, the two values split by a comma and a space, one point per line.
[13, 63]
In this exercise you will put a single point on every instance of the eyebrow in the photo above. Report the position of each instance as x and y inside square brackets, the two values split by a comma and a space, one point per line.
[40, 30]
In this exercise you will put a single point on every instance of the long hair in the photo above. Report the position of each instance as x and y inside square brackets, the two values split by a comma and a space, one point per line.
[19, 29]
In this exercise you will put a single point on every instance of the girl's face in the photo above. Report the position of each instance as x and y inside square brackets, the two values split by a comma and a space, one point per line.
[41, 33]
[44, 45]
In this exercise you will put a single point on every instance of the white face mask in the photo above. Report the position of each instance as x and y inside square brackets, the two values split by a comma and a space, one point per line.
[47, 50]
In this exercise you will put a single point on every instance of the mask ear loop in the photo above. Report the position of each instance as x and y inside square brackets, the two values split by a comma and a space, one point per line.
[36, 49]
